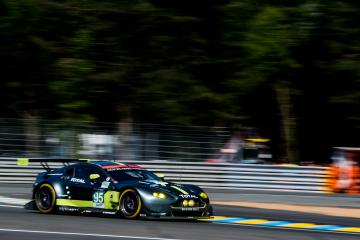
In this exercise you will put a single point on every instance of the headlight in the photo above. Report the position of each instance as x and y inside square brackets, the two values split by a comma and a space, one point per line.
[159, 195]
[191, 203]
[188, 203]
[203, 195]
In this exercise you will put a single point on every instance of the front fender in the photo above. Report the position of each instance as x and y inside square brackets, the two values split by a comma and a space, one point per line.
[154, 204]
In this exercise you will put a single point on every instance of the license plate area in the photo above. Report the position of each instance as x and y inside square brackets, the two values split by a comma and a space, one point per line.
[190, 209]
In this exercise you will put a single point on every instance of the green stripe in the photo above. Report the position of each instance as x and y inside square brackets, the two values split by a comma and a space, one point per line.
[180, 190]
[73, 203]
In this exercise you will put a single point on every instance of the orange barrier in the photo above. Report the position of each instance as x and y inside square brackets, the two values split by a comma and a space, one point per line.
[343, 179]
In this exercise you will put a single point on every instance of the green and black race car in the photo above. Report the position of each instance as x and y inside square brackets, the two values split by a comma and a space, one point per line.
[114, 188]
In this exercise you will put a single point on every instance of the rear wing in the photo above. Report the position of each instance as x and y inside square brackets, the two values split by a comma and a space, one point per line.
[44, 162]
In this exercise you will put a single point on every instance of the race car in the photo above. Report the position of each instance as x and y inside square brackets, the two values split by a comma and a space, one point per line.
[115, 188]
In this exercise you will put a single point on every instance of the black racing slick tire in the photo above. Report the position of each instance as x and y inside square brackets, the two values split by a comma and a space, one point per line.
[45, 198]
[130, 204]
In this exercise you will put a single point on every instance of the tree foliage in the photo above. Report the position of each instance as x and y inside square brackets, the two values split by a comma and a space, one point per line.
[288, 68]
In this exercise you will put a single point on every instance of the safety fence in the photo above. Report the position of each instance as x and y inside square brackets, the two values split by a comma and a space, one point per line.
[207, 175]
[98, 140]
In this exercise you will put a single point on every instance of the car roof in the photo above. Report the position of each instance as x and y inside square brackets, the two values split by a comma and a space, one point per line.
[112, 165]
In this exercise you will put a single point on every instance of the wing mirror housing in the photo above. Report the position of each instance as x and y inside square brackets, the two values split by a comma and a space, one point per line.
[161, 176]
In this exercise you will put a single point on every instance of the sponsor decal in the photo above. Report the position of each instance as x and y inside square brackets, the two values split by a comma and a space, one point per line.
[186, 196]
[118, 168]
[190, 209]
[68, 209]
[108, 213]
[77, 180]
[115, 167]
[105, 184]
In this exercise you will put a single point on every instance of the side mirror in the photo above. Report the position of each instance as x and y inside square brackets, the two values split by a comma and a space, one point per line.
[94, 176]
[161, 176]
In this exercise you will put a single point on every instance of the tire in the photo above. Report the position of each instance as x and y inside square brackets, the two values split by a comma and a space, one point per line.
[45, 198]
[130, 204]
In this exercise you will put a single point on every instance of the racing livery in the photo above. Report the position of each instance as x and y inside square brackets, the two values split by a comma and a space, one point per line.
[115, 188]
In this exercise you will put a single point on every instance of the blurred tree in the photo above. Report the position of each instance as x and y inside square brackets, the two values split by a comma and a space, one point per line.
[330, 59]
[288, 68]
[266, 64]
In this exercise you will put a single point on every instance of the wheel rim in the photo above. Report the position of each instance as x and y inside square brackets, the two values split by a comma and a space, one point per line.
[130, 204]
[44, 198]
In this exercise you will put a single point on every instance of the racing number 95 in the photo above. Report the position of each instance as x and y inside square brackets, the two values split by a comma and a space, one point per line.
[98, 197]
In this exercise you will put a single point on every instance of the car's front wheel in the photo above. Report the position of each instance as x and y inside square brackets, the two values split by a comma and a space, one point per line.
[45, 198]
[130, 204]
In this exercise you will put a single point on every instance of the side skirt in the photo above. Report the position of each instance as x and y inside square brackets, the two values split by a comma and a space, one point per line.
[30, 205]
[86, 210]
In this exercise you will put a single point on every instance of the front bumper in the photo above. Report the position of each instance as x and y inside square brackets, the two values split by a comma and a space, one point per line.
[180, 213]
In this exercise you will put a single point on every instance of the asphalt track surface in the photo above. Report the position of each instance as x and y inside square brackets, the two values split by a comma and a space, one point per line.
[17, 223]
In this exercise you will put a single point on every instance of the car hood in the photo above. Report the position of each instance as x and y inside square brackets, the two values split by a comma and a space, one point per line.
[168, 187]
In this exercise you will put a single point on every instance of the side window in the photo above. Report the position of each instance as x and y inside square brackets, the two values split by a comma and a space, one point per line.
[83, 172]
[68, 173]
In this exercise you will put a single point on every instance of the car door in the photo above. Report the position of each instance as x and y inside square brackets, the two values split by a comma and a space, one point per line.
[68, 174]
[80, 186]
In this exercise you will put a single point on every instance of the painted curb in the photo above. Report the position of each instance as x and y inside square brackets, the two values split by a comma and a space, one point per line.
[282, 224]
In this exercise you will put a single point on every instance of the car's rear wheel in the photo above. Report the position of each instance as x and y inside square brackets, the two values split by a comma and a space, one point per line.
[45, 198]
[130, 204]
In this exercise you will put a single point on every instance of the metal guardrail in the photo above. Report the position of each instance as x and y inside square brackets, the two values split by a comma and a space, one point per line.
[207, 175]
[97, 140]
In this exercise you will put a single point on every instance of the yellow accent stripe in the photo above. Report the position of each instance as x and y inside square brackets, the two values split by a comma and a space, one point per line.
[74, 203]
[213, 218]
[252, 221]
[299, 225]
[349, 229]
[180, 190]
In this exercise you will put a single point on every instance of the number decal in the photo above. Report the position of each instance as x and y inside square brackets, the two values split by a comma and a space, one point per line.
[98, 199]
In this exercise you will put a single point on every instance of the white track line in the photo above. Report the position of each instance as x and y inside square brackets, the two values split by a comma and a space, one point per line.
[11, 206]
[82, 234]
[11, 200]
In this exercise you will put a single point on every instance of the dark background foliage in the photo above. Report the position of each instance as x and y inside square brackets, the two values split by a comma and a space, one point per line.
[288, 68]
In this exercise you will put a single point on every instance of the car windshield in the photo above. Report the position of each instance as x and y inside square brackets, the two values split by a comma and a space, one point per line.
[133, 174]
